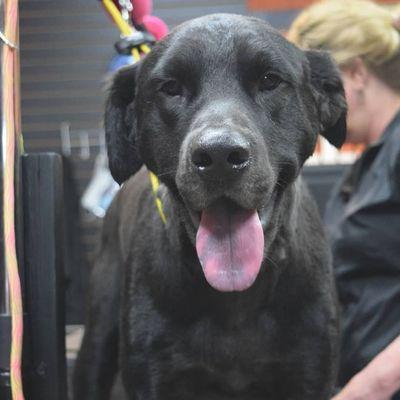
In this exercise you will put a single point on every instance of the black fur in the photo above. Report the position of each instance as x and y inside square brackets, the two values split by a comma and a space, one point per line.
[178, 338]
[120, 126]
[330, 95]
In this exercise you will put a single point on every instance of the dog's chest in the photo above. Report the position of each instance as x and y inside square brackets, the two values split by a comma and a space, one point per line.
[229, 359]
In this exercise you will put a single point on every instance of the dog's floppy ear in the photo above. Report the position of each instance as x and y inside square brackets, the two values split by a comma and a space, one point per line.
[120, 125]
[330, 97]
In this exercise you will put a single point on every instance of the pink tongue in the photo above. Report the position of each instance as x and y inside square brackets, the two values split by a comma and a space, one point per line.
[230, 246]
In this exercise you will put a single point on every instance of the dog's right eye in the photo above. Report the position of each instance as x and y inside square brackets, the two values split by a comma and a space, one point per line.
[172, 88]
[269, 81]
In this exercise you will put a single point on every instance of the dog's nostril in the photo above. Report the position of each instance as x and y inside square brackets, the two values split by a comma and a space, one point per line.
[238, 158]
[201, 159]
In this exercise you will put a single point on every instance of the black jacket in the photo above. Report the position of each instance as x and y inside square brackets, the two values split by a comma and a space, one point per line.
[363, 221]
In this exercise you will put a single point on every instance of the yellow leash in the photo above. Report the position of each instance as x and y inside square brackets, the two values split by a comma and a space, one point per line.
[127, 30]
[155, 184]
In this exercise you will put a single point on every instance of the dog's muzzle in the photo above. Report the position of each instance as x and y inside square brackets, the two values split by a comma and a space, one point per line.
[229, 240]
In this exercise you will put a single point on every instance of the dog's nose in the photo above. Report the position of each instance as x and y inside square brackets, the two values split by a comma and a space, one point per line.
[220, 155]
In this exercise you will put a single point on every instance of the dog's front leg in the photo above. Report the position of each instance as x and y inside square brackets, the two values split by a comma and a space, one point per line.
[98, 358]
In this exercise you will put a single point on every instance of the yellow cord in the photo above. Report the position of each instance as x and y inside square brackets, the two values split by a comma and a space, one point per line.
[124, 27]
[146, 49]
[155, 184]
[135, 54]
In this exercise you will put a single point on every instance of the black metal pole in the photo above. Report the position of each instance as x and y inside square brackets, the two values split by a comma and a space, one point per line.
[44, 339]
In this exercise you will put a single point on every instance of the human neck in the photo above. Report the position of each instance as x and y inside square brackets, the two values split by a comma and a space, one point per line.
[384, 105]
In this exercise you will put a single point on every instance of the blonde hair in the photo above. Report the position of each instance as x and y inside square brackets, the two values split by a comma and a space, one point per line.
[353, 28]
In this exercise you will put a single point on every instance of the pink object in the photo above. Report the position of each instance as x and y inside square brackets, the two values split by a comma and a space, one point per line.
[156, 26]
[141, 8]
[230, 247]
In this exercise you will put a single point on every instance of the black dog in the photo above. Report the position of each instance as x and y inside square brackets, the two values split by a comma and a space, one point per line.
[232, 298]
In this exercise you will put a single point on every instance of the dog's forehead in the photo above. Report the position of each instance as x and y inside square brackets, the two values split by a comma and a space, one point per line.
[225, 35]
[226, 30]
[223, 26]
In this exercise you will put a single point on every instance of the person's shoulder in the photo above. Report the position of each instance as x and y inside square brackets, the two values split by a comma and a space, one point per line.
[392, 155]
[392, 134]
[391, 146]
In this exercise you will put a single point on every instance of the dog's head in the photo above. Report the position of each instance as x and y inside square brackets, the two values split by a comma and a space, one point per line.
[225, 111]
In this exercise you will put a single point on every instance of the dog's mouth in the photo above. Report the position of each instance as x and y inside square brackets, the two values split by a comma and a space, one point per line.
[230, 246]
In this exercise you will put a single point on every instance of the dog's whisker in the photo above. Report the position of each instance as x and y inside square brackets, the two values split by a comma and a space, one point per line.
[280, 184]
[166, 173]
[272, 261]
[278, 163]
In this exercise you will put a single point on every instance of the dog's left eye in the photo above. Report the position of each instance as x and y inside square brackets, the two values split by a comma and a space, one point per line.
[269, 81]
[172, 88]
